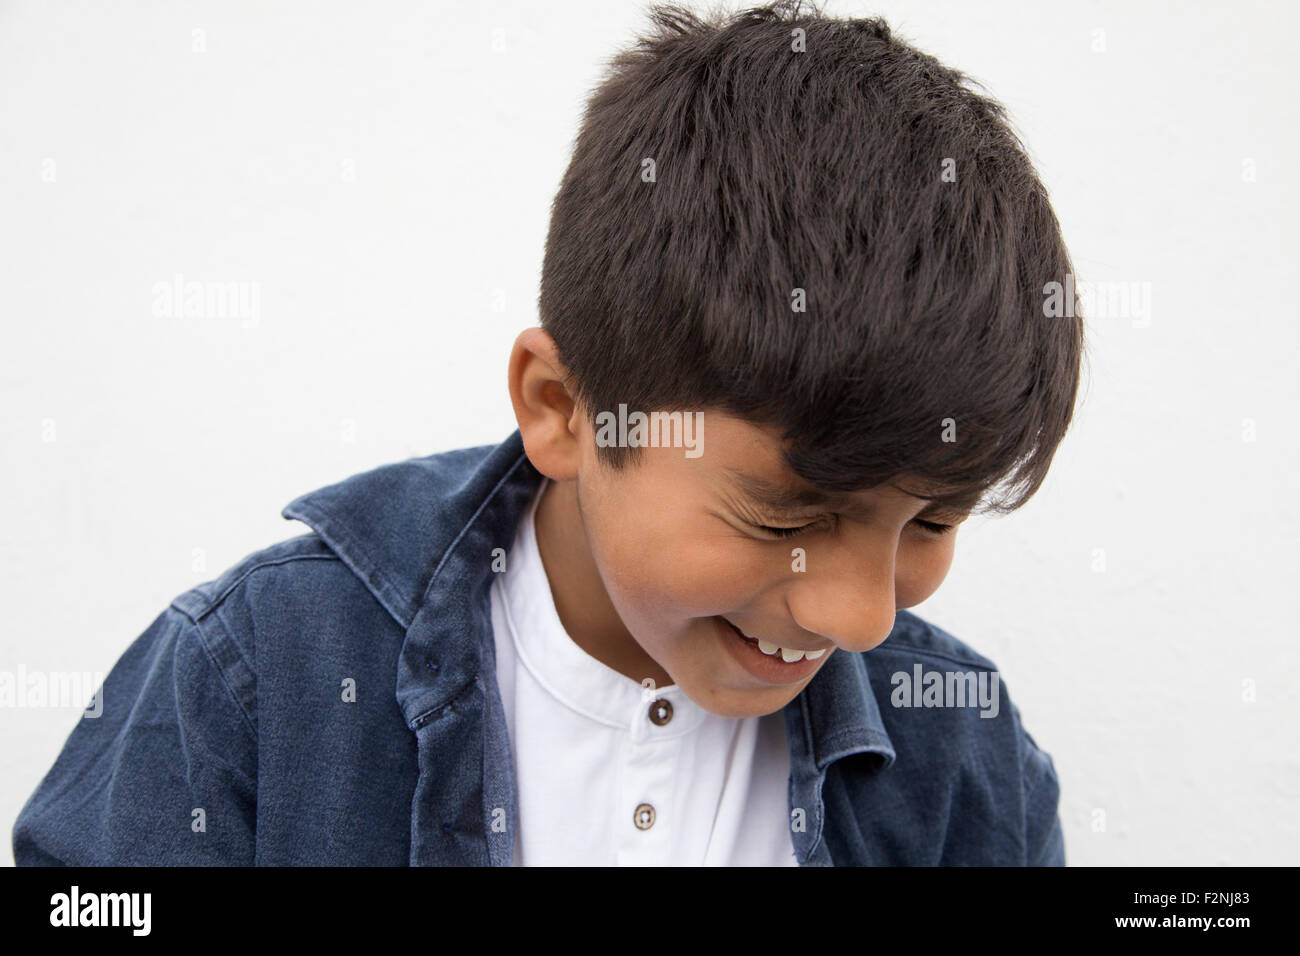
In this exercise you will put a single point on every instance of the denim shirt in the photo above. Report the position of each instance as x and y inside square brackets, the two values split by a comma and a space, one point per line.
[332, 700]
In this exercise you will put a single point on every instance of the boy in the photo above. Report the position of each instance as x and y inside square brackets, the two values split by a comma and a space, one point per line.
[813, 261]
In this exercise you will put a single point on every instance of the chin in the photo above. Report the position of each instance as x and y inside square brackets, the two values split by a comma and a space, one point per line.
[729, 702]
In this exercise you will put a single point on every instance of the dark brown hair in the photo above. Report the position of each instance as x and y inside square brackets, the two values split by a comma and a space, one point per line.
[823, 170]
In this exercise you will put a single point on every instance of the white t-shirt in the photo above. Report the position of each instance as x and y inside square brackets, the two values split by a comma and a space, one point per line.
[605, 773]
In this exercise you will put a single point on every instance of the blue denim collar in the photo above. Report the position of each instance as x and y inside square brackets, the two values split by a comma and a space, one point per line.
[421, 536]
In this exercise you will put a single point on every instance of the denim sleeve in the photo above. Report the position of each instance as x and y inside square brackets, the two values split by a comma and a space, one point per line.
[166, 774]
[1044, 842]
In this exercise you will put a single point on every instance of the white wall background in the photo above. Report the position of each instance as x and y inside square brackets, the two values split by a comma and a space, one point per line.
[383, 173]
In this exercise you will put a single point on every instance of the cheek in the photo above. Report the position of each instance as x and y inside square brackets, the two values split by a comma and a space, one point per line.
[921, 570]
[674, 575]
[664, 565]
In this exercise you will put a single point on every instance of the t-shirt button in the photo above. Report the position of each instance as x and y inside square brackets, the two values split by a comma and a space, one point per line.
[644, 817]
[661, 711]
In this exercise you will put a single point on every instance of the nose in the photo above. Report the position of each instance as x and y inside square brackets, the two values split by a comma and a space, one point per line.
[847, 598]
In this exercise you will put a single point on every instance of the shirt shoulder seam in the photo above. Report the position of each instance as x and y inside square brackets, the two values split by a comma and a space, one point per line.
[209, 604]
[893, 645]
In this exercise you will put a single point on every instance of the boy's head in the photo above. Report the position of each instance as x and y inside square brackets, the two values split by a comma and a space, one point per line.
[829, 245]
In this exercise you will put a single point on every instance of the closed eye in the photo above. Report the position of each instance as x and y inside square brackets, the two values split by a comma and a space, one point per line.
[933, 527]
[785, 532]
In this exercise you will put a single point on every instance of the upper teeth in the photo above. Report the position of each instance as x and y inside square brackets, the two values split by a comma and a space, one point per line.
[787, 654]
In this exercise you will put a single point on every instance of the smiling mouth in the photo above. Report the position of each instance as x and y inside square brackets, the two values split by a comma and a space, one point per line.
[788, 654]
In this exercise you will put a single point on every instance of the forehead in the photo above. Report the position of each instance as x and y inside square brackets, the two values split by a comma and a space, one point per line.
[755, 469]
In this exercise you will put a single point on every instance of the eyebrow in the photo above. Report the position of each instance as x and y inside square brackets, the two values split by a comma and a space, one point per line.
[779, 498]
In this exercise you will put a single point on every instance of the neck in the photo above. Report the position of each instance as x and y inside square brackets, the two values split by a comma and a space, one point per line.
[581, 600]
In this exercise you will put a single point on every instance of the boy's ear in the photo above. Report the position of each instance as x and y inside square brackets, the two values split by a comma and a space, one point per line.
[548, 415]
